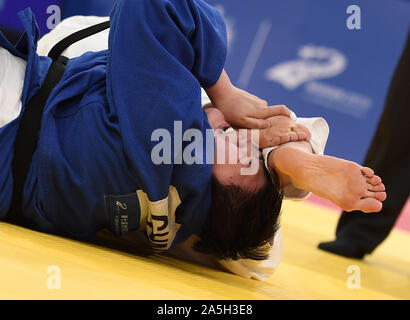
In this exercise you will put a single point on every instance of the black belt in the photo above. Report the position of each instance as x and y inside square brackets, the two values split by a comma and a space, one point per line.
[30, 122]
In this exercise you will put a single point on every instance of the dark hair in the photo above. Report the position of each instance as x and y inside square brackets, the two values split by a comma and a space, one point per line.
[241, 222]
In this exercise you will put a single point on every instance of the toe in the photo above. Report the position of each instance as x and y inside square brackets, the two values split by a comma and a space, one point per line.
[381, 196]
[368, 205]
[367, 172]
[375, 180]
[376, 188]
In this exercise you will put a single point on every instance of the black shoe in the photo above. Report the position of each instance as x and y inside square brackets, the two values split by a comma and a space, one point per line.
[344, 248]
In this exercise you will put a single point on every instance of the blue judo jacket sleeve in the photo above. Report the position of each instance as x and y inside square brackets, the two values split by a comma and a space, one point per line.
[190, 32]
[161, 52]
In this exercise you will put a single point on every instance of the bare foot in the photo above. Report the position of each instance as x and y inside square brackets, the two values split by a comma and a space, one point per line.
[345, 183]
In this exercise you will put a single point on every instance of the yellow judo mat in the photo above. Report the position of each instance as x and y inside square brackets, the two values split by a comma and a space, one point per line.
[111, 269]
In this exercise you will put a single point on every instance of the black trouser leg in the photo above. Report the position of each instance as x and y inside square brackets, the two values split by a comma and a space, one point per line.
[389, 156]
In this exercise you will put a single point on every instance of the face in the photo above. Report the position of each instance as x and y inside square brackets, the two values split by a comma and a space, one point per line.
[236, 160]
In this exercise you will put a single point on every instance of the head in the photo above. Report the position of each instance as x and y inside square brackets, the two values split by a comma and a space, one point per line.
[235, 154]
[245, 209]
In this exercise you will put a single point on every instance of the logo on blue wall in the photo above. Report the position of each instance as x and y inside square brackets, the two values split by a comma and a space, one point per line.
[315, 63]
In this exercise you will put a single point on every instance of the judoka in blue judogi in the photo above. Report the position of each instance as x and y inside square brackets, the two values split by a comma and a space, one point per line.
[92, 168]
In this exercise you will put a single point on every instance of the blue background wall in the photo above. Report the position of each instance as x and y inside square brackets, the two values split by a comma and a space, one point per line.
[296, 52]
[266, 34]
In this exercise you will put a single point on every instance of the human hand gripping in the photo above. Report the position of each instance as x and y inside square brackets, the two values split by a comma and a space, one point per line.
[240, 108]
[282, 130]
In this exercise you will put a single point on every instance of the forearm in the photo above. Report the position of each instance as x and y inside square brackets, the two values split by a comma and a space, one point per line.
[220, 89]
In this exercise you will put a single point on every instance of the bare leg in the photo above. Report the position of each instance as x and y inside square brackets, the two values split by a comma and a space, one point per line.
[345, 183]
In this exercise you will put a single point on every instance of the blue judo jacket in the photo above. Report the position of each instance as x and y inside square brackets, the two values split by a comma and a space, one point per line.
[92, 168]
